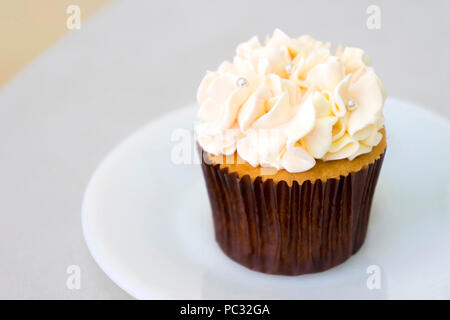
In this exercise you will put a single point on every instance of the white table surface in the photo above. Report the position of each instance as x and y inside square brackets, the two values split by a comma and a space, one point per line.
[136, 60]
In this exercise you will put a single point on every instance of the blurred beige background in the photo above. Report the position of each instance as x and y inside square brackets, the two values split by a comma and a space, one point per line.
[28, 27]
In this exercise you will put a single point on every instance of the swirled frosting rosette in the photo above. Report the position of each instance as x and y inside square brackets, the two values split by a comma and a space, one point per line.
[289, 102]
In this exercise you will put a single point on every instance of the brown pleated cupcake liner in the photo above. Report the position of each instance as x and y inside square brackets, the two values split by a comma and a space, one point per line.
[291, 230]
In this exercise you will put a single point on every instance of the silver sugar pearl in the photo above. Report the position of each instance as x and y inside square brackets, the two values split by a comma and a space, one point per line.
[351, 105]
[241, 82]
[289, 67]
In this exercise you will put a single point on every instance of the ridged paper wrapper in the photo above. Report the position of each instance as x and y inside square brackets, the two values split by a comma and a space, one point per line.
[292, 229]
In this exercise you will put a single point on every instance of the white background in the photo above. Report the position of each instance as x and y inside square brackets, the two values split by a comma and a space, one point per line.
[136, 60]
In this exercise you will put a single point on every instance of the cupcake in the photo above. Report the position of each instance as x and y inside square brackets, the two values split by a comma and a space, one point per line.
[292, 141]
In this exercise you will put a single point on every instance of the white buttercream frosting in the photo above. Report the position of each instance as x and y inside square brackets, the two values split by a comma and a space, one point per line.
[289, 102]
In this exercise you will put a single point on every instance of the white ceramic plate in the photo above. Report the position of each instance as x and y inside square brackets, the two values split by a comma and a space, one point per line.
[147, 221]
